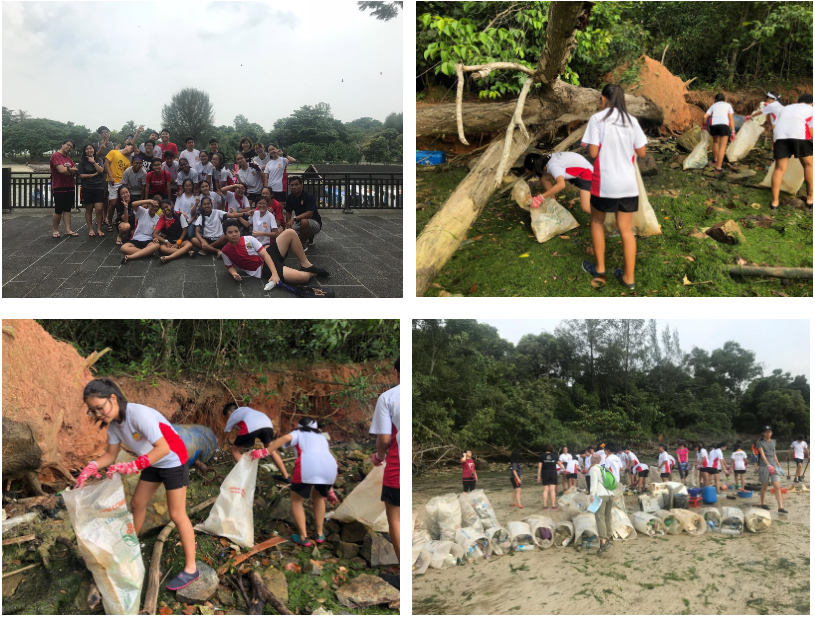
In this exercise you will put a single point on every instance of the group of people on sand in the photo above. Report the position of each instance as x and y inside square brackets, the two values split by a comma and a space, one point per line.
[196, 205]
[614, 139]
[162, 459]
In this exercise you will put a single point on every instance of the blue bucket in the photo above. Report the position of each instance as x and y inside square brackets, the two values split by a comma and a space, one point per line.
[709, 494]
[200, 441]
[694, 492]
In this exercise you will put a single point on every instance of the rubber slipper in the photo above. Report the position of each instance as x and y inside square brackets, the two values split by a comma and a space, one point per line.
[183, 579]
[118, 241]
[619, 276]
[55, 234]
[91, 234]
[100, 234]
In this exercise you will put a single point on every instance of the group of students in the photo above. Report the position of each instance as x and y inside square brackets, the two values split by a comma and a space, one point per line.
[614, 139]
[162, 459]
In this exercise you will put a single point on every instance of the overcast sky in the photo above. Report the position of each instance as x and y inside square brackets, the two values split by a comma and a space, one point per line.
[781, 343]
[106, 63]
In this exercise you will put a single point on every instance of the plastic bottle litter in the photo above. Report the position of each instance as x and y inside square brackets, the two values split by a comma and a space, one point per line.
[542, 530]
[757, 520]
[732, 521]
[499, 539]
[469, 517]
[521, 536]
[14, 521]
[481, 505]
[564, 533]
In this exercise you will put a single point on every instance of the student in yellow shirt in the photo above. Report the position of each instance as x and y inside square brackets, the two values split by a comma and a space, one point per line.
[116, 161]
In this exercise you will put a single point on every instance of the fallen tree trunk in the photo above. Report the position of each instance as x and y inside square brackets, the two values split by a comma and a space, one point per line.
[780, 273]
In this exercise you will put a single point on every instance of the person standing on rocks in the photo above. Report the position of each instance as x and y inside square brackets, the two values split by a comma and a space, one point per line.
[767, 462]
[772, 107]
[253, 424]
[792, 136]
[385, 426]
[162, 459]
[721, 129]
[468, 475]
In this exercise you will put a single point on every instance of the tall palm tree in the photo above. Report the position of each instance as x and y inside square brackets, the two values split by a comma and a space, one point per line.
[21, 115]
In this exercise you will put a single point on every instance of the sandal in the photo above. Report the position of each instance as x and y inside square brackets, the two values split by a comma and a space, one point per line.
[124, 259]
[100, 234]
[109, 227]
[183, 579]
[521, 507]
[55, 234]
[619, 275]
[118, 240]
[296, 539]
[71, 233]
[162, 259]
[91, 234]
[772, 207]
[191, 253]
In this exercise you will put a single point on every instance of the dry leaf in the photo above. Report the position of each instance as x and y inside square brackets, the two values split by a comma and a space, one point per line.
[265, 561]
[292, 567]
[524, 255]
[436, 285]
[597, 283]
[740, 261]
[755, 206]
[589, 250]
[165, 610]
[688, 257]
[473, 288]
[224, 542]
[444, 294]
[667, 217]
[554, 254]
[564, 237]
[686, 280]
[477, 238]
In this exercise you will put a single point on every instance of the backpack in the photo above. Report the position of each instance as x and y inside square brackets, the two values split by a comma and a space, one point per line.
[609, 481]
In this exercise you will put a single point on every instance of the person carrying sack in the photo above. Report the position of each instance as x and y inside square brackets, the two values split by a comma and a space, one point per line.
[601, 480]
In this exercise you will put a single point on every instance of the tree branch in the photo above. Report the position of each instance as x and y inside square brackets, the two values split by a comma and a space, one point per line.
[459, 101]
[516, 120]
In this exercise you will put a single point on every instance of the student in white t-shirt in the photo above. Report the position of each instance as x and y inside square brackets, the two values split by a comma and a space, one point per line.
[666, 463]
[564, 458]
[221, 176]
[162, 459]
[253, 424]
[557, 169]
[614, 139]
[702, 464]
[141, 242]
[719, 123]
[739, 460]
[315, 471]
[204, 168]
[772, 107]
[209, 229]
[190, 154]
[792, 136]
[799, 450]
[264, 227]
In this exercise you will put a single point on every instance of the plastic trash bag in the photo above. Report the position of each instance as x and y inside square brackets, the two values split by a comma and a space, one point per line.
[432, 517]
[550, 220]
[481, 505]
[14, 521]
[521, 536]
[644, 222]
[792, 180]
[574, 503]
[622, 526]
[746, 139]
[732, 521]
[713, 518]
[522, 195]
[691, 522]
[365, 504]
[106, 540]
[664, 492]
[672, 524]
[469, 518]
[649, 503]
[474, 543]
[697, 159]
[581, 481]
[443, 554]
[564, 533]
[499, 540]
[585, 530]
[618, 500]
[449, 516]
[421, 536]
[543, 530]
[648, 524]
[757, 520]
[232, 517]
[421, 560]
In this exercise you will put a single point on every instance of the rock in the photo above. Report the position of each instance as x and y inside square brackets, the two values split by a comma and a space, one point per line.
[226, 598]
[334, 537]
[674, 165]
[761, 220]
[331, 526]
[354, 532]
[276, 583]
[202, 589]
[647, 165]
[377, 551]
[699, 235]
[747, 173]
[316, 570]
[687, 141]
[322, 611]
[366, 590]
[481, 465]
[366, 467]
[727, 232]
[355, 455]
[346, 550]
[353, 446]
[281, 510]
[339, 482]
[359, 563]
[205, 610]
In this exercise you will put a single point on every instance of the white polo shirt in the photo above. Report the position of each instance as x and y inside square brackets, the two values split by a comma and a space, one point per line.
[315, 464]
[145, 225]
[794, 122]
[248, 420]
[718, 113]
[142, 427]
[570, 165]
[614, 172]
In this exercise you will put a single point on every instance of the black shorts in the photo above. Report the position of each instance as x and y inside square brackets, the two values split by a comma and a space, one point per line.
[786, 148]
[64, 198]
[390, 495]
[94, 196]
[141, 244]
[583, 185]
[571, 476]
[212, 240]
[265, 434]
[719, 130]
[739, 472]
[712, 471]
[277, 259]
[171, 477]
[469, 485]
[304, 490]
[665, 475]
[644, 473]
[548, 477]
[253, 197]
[514, 483]
[799, 461]
[615, 204]
[280, 196]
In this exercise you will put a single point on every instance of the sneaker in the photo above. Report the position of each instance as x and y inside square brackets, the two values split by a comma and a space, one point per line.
[618, 274]
[183, 579]
[604, 547]
[390, 579]
[591, 269]
[315, 270]
[311, 240]
[764, 507]
[782, 511]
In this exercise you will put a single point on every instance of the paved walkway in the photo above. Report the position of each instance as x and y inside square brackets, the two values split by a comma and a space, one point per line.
[361, 251]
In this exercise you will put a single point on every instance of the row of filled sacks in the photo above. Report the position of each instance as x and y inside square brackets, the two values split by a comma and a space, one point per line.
[443, 516]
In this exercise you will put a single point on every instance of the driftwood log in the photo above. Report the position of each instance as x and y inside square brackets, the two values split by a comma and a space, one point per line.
[780, 273]
[558, 104]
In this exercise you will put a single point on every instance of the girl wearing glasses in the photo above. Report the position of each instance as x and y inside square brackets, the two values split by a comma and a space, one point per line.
[162, 459]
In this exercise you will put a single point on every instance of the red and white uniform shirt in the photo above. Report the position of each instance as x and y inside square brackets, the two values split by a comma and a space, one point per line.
[246, 255]
[701, 458]
[142, 427]
[666, 462]
[248, 420]
[571, 466]
[570, 165]
[716, 458]
[315, 464]
[794, 122]
[386, 422]
[720, 114]
[232, 202]
[773, 110]
[265, 224]
[614, 172]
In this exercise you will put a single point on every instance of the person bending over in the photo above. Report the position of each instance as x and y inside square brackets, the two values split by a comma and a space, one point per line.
[557, 169]
[253, 424]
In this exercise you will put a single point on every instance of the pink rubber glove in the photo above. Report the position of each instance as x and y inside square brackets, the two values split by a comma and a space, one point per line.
[132, 467]
[92, 469]
[376, 460]
[537, 201]
[771, 469]
[332, 497]
[256, 454]
[733, 136]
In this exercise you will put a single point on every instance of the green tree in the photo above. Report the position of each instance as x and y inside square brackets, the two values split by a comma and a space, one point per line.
[384, 11]
[8, 116]
[189, 114]
[394, 121]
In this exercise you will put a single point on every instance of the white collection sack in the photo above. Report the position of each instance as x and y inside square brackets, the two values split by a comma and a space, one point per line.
[746, 138]
[691, 522]
[432, 517]
[499, 540]
[564, 533]
[474, 543]
[481, 505]
[365, 504]
[672, 524]
[449, 516]
[791, 181]
[647, 524]
[697, 159]
[622, 526]
[443, 554]
[644, 222]
[231, 517]
[585, 528]
[732, 521]
[521, 536]
[469, 518]
[543, 530]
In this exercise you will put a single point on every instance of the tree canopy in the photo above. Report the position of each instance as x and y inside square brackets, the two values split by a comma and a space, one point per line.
[590, 380]
[189, 114]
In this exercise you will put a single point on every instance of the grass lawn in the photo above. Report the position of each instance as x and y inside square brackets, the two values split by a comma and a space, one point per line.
[501, 257]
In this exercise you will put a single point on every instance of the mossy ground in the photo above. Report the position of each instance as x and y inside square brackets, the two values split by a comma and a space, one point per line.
[492, 260]
[56, 590]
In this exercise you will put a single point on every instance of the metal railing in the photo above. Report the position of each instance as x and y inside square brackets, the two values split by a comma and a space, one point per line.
[331, 190]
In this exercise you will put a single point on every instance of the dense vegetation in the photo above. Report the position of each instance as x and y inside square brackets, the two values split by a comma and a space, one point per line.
[223, 346]
[590, 380]
[721, 44]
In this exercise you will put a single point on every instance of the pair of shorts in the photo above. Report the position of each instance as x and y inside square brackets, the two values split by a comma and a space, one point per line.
[265, 434]
[277, 259]
[64, 199]
[739, 472]
[665, 476]
[764, 476]
[548, 477]
[615, 204]
[713, 471]
[253, 197]
[171, 477]
[141, 244]
[469, 485]
[280, 196]
[514, 483]
[719, 130]
[799, 461]
[583, 185]
[644, 473]
[390, 495]
[315, 226]
[113, 191]
[304, 490]
[571, 476]
[93, 196]
[786, 148]
[211, 240]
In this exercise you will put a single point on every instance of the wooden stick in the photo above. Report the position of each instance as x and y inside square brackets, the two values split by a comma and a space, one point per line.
[459, 103]
[781, 273]
[19, 540]
[244, 556]
[7, 574]
[154, 573]
[267, 595]
[517, 120]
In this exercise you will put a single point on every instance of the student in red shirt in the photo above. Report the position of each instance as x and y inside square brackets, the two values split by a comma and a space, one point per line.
[468, 475]
[166, 144]
[63, 170]
[171, 234]
[275, 207]
[158, 181]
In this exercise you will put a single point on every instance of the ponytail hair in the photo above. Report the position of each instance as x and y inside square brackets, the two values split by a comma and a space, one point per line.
[536, 163]
[615, 96]
[104, 388]
[308, 425]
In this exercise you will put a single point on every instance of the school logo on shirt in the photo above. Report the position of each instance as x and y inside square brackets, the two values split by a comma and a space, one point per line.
[136, 436]
[264, 225]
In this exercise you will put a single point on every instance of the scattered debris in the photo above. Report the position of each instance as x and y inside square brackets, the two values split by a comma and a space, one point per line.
[202, 589]
[727, 232]
[366, 590]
